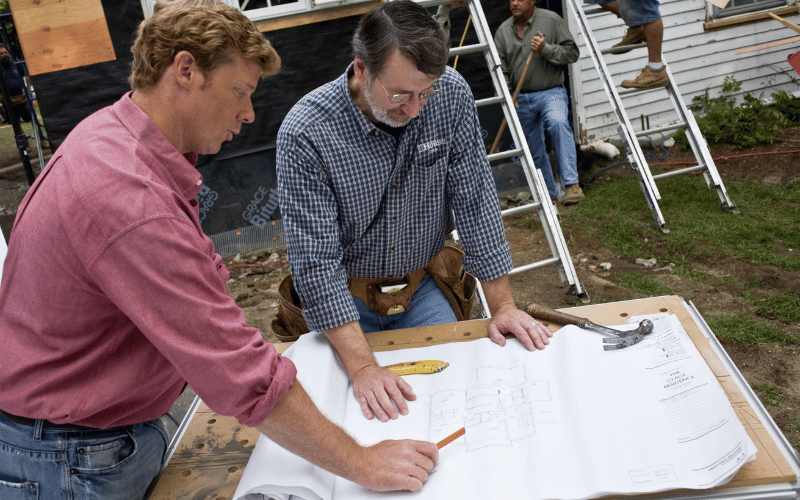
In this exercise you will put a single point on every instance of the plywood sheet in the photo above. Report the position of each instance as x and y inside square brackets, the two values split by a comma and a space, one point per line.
[62, 34]
[213, 470]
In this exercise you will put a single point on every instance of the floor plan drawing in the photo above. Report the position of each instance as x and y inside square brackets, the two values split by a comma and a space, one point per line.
[498, 410]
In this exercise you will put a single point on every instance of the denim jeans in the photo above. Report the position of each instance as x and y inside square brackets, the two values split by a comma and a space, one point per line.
[429, 306]
[548, 111]
[639, 12]
[79, 464]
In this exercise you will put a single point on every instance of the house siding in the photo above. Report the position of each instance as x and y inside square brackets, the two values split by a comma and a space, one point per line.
[698, 59]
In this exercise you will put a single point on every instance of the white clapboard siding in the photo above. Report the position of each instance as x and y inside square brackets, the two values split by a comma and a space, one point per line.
[699, 60]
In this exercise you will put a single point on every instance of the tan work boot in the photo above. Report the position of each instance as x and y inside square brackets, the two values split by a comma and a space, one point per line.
[573, 195]
[647, 79]
[634, 35]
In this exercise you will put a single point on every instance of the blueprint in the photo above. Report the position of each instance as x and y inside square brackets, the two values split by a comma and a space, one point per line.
[570, 422]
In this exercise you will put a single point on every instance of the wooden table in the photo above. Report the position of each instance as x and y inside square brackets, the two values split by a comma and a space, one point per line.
[213, 451]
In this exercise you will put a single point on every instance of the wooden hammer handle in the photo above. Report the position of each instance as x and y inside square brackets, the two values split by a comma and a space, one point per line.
[547, 314]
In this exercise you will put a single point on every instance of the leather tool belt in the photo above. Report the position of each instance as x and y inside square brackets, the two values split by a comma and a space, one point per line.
[386, 296]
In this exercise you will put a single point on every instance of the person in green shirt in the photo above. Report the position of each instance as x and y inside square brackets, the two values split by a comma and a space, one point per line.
[542, 104]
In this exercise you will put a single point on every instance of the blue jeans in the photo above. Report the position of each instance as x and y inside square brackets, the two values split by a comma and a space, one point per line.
[548, 111]
[79, 464]
[639, 12]
[429, 306]
[634, 12]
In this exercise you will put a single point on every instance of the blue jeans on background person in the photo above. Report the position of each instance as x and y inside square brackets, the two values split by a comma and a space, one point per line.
[429, 306]
[79, 464]
[548, 111]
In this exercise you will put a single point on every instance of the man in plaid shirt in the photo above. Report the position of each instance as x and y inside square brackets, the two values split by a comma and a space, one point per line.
[375, 169]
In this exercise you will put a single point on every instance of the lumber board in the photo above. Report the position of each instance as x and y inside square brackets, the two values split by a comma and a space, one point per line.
[767, 45]
[748, 18]
[62, 34]
[316, 16]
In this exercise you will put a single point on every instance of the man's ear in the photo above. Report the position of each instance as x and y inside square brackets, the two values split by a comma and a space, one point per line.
[359, 69]
[186, 71]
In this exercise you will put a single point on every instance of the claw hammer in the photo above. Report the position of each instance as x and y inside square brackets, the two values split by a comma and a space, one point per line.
[621, 339]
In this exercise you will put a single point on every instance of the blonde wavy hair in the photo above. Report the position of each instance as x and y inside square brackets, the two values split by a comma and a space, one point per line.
[208, 29]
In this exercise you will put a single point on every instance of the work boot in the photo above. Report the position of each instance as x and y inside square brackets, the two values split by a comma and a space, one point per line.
[633, 36]
[648, 79]
[573, 195]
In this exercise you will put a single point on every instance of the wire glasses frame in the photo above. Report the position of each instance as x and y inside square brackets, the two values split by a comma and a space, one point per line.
[401, 98]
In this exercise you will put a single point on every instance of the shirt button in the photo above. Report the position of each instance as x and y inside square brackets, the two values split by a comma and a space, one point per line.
[391, 250]
[73, 471]
[394, 183]
[193, 203]
[81, 451]
[394, 219]
[199, 182]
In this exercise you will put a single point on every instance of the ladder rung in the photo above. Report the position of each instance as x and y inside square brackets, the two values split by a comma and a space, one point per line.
[593, 10]
[505, 154]
[522, 208]
[624, 48]
[468, 49]
[681, 171]
[534, 265]
[625, 92]
[658, 130]
[490, 100]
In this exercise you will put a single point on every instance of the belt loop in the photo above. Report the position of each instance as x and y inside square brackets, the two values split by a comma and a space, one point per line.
[37, 429]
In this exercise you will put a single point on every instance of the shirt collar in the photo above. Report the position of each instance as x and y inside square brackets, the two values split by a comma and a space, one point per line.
[169, 163]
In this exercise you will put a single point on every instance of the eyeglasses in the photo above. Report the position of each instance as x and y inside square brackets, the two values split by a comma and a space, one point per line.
[401, 98]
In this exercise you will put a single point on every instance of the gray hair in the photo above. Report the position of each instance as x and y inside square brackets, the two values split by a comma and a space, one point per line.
[406, 26]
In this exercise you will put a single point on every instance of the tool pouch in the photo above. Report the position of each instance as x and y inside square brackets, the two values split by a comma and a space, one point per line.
[386, 303]
[18, 99]
[447, 271]
[289, 323]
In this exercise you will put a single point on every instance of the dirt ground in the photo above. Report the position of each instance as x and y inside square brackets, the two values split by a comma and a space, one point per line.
[255, 276]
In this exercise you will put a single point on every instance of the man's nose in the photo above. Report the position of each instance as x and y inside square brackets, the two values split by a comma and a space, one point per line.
[412, 107]
[248, 114]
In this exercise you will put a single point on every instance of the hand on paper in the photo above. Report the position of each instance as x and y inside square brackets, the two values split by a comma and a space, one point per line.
[399, 465]
[530, 332]
[381, 393]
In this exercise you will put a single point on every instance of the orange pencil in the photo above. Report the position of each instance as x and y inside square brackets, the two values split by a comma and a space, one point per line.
[452, 437]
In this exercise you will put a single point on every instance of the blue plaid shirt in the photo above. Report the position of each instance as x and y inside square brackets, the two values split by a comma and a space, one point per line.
[357, 202]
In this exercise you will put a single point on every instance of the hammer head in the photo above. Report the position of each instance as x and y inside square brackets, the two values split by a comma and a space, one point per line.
[628, 338]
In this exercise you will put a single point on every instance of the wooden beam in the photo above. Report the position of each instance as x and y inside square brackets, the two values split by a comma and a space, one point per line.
[62, 34]
[316, 16]
[731, 22]
[767, 45]
[786, 23]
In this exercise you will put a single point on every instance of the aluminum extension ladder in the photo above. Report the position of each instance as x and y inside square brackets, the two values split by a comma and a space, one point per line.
[546, 210]
[686, 121]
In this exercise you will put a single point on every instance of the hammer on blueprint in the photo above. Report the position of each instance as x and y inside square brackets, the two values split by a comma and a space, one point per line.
[620, 339]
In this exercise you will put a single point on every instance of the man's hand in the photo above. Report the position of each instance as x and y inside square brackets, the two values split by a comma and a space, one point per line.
[381, 393]
[537, 44]
[399, 465]
[530, 332]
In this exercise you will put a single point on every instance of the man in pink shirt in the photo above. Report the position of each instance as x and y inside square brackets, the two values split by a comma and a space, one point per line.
[112, 298]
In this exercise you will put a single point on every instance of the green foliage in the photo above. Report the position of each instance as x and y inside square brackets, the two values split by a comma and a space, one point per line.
[768, 394]
[764, 231]
[781, 307]
[644, 284]
[749, 123]
[747, 331]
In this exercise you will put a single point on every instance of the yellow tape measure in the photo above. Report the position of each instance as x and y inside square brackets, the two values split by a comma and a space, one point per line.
[415, 367]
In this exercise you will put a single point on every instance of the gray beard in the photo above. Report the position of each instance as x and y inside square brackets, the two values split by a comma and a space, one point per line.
[382, 115]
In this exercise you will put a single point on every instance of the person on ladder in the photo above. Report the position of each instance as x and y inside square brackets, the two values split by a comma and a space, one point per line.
[644, 25]
[542, 103]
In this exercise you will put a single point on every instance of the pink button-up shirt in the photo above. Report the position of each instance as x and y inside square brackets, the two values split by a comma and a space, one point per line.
[112, 297]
